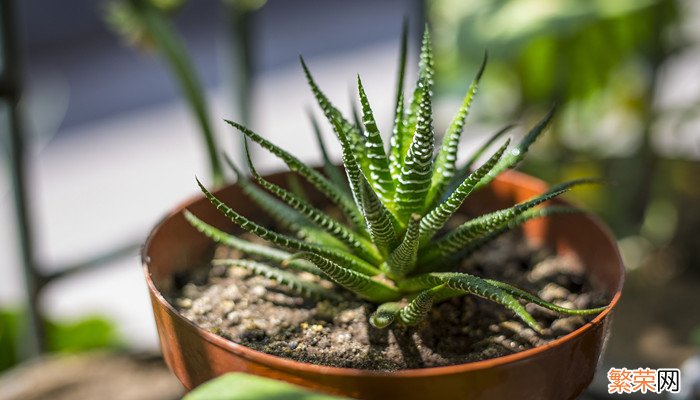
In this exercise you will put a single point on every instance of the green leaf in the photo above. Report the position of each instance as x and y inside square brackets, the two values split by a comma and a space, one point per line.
[295, 187]
[424, 85]
[436, 218]
[357, 282]
[240, 386]
[337, 196]
[470, 284]
[351, 131]
[462, 173]
[381, 224]
[480, 241]
[530, 298]
[359, 245]
[348, 260]
[403, 259]
[328, 167]
[352, 168]
[419, 282]
[385, 315]
[397, 150]
[444, 167]
[512, 158]
[284, 215]
[356, 139]
[173, 51]
[397, 153]
[417, 309]
[512, 224]
[252, 249]
[416, 172]
[481, 150]
[357, 121]
[10, 321]
[460, 237]
[479, 287]
[293, 282]
[378, 164]
[81, 335]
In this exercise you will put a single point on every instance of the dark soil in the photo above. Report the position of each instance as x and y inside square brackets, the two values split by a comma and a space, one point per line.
[259, 313]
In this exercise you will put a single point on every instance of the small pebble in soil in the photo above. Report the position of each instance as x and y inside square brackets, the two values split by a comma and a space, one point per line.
[184, 303]
[233, 318]
[553, 292]
[258, 291]
[565, 325]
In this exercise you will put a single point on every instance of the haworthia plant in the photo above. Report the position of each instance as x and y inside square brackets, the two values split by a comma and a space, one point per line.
[391, 246]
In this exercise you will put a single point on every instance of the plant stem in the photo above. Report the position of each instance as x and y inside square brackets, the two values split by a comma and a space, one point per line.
[175, 55]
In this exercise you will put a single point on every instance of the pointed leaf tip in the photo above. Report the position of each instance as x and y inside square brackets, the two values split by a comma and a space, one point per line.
[232, 165]
[480, 72]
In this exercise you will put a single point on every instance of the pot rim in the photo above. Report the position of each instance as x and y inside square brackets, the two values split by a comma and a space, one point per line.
[276, 362]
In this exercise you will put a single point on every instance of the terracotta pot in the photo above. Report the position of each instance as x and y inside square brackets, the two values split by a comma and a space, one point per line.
[561, 369]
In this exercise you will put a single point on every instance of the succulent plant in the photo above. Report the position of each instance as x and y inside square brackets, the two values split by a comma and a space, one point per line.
[391, 246]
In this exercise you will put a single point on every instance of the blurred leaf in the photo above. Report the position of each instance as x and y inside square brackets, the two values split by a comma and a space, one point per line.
[660, 221]
[246, 5]
[123, 18]
[167, 5]
[144, 24]
[239, 386]
[588, 195]
[560, 50]
[536, 66]
[82, 335]
[599, 60]
[504, 26]
[8, 338]
[695, 336]
[86, 334]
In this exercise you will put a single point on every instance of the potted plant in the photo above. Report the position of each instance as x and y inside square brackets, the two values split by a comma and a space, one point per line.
[397, 280]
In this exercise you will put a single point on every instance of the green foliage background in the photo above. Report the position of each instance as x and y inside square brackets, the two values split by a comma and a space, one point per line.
[85, 334]
[601, 62]
[608, 65]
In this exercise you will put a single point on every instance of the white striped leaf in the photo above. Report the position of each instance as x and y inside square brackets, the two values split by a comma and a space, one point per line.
[286, 278]
[436, 218]
[403, 259]
[445, 161]
[348, 260]
[358, 283]
[378, 163]
[320, 182]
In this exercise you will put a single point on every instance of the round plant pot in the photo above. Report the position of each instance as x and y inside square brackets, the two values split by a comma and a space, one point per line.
[561, 369]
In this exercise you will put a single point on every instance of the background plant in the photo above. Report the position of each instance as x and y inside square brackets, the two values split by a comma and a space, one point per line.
[392, 247]
[146, 25]
[623, 74]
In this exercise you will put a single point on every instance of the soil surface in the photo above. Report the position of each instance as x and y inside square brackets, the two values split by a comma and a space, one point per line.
[260, 314]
